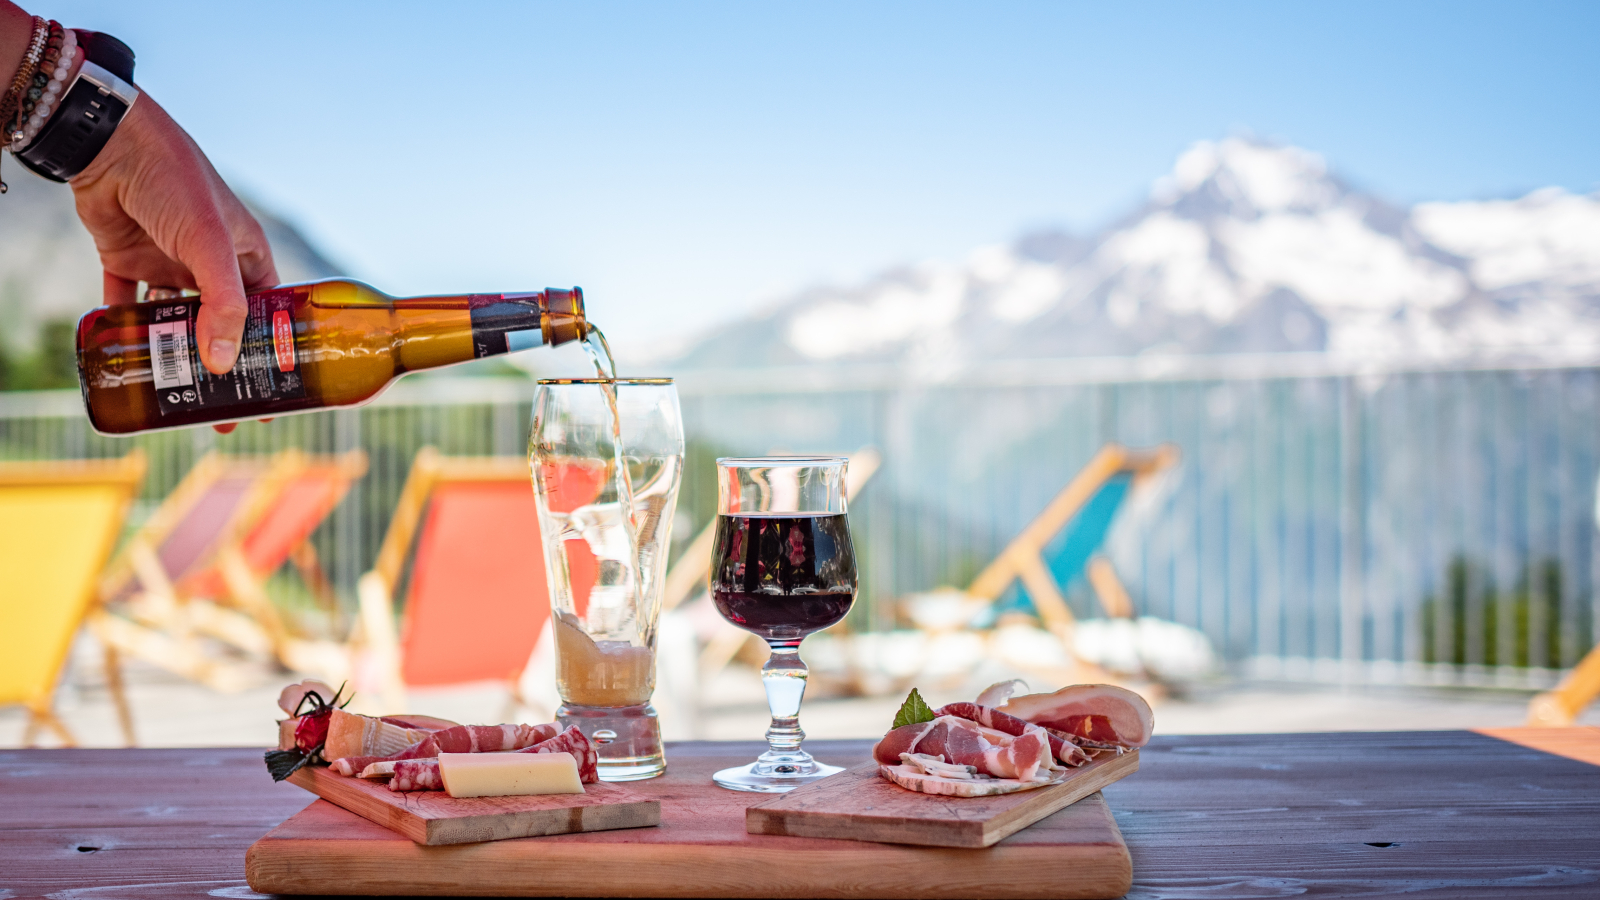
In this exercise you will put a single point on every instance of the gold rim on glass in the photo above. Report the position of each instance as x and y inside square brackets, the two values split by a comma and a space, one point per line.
[746, 462]
[648, 381]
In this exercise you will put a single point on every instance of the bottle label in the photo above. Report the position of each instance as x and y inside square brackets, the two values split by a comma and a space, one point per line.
[268, 367]
[506, 323]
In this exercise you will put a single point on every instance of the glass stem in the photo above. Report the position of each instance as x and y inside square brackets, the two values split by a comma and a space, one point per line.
[784, 676]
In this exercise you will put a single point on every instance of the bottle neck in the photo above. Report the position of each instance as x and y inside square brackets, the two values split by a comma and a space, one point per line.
[506, 323]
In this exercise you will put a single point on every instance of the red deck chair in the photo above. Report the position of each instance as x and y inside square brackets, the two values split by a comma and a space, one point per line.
[226, 529]
[476, 601]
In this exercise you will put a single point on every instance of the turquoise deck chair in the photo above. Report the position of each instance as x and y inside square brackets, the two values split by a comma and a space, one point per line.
[1061, 545]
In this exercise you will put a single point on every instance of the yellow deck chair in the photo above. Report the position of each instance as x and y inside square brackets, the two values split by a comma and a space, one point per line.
[1561, 707]
[59, 522]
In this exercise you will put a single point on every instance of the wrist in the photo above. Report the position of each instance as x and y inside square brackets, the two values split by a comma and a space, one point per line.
[92, 106]
[16, 29]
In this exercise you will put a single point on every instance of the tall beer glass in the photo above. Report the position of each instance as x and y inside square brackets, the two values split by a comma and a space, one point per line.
[605, 520]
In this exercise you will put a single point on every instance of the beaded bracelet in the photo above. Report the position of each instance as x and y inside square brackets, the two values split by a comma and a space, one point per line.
[13, 98]
[11, 101]
[37, 96]
[56, 72]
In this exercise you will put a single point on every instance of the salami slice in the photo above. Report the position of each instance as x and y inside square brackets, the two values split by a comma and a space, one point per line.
[416, 775]
[424, 775]
[573, 741]
[459, 739]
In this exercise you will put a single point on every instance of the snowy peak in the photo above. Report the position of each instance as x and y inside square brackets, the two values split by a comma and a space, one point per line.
[1244, 247]
[1246, 177]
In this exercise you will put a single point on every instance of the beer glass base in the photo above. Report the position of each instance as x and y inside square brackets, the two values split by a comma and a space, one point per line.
[765, 778]
[627, 739]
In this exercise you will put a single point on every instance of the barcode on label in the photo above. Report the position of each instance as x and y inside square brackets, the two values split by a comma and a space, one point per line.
[169, 354]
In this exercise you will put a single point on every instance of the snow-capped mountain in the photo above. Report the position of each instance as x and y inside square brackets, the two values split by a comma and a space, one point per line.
[1244, 247]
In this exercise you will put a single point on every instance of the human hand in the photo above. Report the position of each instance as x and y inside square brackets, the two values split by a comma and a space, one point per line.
[159, 213]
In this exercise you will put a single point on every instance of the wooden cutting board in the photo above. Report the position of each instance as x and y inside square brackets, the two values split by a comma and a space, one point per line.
[434, 818]
[859, 805]
[701, 849]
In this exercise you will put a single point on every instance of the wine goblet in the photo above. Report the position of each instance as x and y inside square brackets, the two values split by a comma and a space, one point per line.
[782, 567]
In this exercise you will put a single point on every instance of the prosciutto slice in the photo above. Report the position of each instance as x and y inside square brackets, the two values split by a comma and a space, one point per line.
[459, 739]
[1095, 714]
[964, 742]
[419, 774]
[1061, 748]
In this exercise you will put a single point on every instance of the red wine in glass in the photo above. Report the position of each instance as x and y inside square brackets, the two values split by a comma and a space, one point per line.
[783, 575]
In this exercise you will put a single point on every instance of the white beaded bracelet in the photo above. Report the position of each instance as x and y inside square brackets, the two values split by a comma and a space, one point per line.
[66, 68]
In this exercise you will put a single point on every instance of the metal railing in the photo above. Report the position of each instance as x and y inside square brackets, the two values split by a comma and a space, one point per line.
[1327, 521]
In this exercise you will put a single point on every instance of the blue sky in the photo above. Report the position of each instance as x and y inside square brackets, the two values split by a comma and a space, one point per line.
[688, 162]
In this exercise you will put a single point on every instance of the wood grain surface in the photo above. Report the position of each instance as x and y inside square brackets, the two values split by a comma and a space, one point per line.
[435, 818]
[1415, 815]
[701, 849]
[859, 805]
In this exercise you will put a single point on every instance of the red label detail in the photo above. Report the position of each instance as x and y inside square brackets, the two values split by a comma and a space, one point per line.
[283, 340]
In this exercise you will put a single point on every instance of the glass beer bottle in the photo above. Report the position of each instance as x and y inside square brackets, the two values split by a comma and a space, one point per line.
[306, 346]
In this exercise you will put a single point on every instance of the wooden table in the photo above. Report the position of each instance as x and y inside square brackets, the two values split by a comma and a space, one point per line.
[1421, 814]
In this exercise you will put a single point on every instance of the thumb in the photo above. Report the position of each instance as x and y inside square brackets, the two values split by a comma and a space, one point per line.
[208, 255]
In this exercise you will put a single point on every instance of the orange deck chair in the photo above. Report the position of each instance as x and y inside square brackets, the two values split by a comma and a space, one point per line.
[476, 601]
[59, 522]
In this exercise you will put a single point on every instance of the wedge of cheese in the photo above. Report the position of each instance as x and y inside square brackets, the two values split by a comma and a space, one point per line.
[509, 774]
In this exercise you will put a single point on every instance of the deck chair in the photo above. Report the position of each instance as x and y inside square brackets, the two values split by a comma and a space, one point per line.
[1561, 707]
[1030, 576]
[200, 565]
[1063, 542]
[59, 522]
[476, 600]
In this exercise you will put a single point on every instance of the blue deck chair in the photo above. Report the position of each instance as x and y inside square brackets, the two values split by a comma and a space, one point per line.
[1062, 544]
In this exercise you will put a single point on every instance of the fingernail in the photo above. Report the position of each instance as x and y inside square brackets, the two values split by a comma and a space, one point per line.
[223, 350]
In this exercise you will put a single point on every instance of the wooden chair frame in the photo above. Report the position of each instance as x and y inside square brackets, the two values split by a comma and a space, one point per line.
[161, 623]
[1561, 707]
[1023, 559]
[127, 474]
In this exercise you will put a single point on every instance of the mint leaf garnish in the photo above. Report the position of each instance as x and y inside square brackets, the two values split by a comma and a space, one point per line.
[912, 712]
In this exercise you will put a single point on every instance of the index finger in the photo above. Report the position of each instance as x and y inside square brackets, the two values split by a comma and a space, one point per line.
[206, 249]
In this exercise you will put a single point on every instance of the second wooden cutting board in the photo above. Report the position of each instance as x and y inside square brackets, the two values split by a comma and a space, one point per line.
[859, 805]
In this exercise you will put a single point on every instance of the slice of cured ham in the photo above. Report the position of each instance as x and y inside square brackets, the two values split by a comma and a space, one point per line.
[1062, 749]
[914, 779]
[1026, 756]
[457, 739]
[1097, 714]
[422, 774]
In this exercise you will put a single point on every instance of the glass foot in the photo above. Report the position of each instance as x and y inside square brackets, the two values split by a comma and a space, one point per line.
[627, 739]
[774, 776]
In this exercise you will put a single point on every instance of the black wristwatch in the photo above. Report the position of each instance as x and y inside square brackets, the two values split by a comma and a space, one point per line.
[90, 110]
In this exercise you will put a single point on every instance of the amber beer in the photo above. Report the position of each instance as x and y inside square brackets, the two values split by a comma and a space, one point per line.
[306, 346]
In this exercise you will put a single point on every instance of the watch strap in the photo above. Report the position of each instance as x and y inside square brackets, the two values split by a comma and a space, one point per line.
[90, 110]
